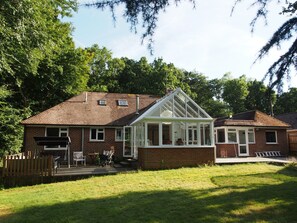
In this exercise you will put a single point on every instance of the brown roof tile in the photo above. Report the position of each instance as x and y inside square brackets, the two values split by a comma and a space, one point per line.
[251, 118]
[290, 118]
[84, 110]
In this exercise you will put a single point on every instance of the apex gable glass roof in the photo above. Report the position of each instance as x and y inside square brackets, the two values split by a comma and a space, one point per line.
[178, 105]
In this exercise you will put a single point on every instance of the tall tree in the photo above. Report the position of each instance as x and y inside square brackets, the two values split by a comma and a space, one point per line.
[147, 12]
[282, 68]
[10, 130]
[104, 70]
[235, 92]
[38, 53]
[260, 97]
[286, 102]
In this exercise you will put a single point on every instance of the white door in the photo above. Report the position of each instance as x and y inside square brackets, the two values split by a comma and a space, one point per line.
[243, 147]
[128, 150]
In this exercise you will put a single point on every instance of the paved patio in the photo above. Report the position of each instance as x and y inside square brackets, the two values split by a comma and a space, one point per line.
[255, 160]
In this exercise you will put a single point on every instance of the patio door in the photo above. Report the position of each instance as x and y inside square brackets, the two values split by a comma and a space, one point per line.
[128, 146]
[243, 147]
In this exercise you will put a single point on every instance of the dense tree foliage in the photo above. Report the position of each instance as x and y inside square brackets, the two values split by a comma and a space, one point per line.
[11, 131]
[286, 102]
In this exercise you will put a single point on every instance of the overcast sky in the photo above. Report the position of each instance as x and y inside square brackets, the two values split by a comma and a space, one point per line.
[206, 39]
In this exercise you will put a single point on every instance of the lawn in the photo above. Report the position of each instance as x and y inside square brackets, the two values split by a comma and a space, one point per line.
[233, 193]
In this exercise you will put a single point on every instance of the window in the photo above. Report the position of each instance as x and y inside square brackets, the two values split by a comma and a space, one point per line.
[232, 136]
[271, 137]
[102, 102]
[57, 132]
[97, 134]
[118, 134]
[251, 135]
[221, 135]
[153, 134]
[122, 102]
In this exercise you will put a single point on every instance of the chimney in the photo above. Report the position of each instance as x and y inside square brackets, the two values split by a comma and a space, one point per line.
[137, 104]
[86, 97]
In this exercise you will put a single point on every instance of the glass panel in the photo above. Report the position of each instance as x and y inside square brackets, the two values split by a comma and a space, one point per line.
[100, 136]
[52, 132]
[207, 134]
[270, 137]
[119, 134]
[242, 139]
[153, 134]
[179, 133]
[242, 150]
[232, 136]
[192, 110]
[251, 136]
[192, 134]
[128, 142]
[166, 134]
[221, 135]
[93, 134]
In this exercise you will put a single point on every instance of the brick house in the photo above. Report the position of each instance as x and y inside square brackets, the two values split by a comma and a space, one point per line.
[247, 133]
[167, 132]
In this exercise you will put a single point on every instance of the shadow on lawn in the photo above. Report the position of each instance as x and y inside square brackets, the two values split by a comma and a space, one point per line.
[229, 202]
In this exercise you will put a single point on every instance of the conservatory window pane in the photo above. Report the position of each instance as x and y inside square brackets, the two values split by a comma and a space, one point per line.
[179, 133]
[166, 133]
[192, 110]
[153, 134]
[192, 134]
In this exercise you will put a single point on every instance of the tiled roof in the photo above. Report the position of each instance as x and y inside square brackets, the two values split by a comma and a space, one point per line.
[290, 118]
[251, 118]
[83, 110]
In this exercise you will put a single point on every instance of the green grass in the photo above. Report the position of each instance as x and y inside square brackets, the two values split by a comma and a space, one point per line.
[235, 193]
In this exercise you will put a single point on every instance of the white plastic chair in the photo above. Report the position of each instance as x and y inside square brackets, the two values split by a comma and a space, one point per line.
[79, 157]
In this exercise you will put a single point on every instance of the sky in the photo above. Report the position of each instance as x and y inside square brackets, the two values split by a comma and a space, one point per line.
[206, 39]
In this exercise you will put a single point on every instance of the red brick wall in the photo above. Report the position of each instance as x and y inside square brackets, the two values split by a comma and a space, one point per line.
[98, 147]
[162, 158]
[227, 150]
[29, 143]
[231, 150]
[75, 134]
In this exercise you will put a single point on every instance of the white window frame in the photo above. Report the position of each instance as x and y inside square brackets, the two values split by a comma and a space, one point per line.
[231, 130]
[217, 135]
[122, 134]
[61, 131]
[98, 130]
[275, 133]
[252, 130]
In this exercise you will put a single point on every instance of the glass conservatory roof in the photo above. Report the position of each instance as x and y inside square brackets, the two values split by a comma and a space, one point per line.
[176, 105]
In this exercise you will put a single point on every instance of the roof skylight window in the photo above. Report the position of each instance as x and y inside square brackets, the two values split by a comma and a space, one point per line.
[122, 102]
[102, 102]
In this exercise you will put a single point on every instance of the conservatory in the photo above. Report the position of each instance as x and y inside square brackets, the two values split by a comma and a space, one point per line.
[173, 132]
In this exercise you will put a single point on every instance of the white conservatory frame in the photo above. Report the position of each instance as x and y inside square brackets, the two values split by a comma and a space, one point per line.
[174, 121]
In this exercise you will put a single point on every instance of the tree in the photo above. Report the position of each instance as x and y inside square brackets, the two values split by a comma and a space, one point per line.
[286, 102]
[10, 130]
[260, 97]
[104, 70]
[148, 11]
[284, 66]
[235, 92]
[29, 30]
